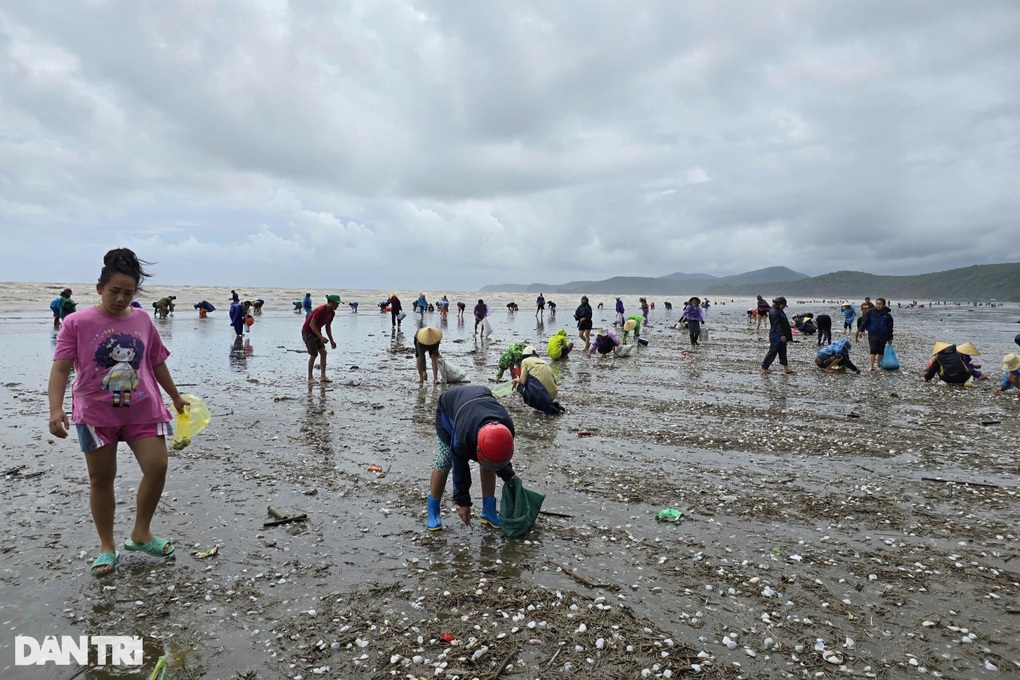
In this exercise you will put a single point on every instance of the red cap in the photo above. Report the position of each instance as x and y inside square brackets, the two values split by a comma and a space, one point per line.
[495, 446]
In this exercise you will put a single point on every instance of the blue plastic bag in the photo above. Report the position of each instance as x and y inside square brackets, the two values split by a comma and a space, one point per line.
[890, 362]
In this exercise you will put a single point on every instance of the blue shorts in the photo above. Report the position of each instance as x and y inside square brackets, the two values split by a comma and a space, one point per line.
[93, 438]
[444, 457]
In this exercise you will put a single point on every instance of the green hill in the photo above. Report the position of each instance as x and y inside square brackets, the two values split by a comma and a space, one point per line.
[979, 282]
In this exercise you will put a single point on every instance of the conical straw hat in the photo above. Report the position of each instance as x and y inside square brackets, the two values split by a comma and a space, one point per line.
[969, 349]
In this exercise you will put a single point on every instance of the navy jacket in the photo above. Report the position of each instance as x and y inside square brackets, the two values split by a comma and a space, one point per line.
[878, 323]
[780, 326]
[460, 413]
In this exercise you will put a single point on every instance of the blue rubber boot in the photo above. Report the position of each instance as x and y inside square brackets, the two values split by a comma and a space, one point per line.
[435, 522]
[490, 516]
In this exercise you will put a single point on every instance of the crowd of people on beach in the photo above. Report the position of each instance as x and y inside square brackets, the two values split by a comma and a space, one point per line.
[119, 363]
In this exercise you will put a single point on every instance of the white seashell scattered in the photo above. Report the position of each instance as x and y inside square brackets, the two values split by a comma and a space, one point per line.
[833, 657]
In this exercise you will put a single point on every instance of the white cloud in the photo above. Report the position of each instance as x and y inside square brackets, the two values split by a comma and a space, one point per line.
[401, 143]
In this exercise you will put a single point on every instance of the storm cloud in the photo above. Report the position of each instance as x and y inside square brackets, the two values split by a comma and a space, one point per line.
[452, 145]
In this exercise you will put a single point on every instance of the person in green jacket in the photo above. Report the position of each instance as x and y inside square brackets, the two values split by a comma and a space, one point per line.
[510, 357]
[559, 347]
[633, 323]
[67, 305]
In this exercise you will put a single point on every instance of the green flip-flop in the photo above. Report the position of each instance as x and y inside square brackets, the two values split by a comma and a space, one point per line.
[106, 559]
[157, 547]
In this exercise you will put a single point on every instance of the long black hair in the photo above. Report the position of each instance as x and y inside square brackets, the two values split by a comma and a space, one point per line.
[123, 261]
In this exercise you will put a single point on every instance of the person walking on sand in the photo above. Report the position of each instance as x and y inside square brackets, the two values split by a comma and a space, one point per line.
[764, 309]
[694, 316]
[849, 314]
[643, 303]
[306, 303]
[540, 306]
[619, 312]
[583, 316]
[878, 323]
[421, 304]
[119, 360]
[471, 425]
[311, 333]
[426, 341]
[395, 310]
[780, 334]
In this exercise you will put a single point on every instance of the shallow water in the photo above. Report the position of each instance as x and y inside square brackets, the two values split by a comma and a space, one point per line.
[827, 468]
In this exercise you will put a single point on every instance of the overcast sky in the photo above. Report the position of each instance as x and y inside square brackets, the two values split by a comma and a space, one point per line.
[449, 145]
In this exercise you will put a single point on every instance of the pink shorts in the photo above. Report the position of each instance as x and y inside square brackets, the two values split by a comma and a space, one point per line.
[92, 438]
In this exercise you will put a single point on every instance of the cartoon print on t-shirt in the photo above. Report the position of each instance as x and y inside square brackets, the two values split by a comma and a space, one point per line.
[121, 354]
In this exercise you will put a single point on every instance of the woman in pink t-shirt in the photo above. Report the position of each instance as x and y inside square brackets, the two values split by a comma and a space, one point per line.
[120, 364]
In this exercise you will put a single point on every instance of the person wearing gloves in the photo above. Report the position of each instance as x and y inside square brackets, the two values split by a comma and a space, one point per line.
[559, 347]
[537, 384]
[426, 341]
[780, 333]
[1010, 373]
[471, 425]
[836, 355]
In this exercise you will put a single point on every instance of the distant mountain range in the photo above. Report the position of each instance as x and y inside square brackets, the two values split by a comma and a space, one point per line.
[979, 282]
[671, 284]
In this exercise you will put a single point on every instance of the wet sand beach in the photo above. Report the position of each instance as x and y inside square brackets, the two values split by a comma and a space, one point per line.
[833, 525]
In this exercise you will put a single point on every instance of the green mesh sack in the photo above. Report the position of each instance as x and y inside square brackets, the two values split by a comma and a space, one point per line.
[518, 508]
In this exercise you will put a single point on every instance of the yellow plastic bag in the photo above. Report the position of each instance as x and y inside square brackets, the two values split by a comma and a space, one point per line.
[189, 423]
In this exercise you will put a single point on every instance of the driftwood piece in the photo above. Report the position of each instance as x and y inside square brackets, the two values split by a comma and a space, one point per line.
[281, 518]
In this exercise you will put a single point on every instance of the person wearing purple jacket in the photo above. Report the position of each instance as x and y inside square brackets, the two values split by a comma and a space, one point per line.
[619, 312]
[694, 317]
[604, 343]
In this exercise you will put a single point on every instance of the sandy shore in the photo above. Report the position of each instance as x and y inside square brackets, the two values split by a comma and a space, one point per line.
[834, 525]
